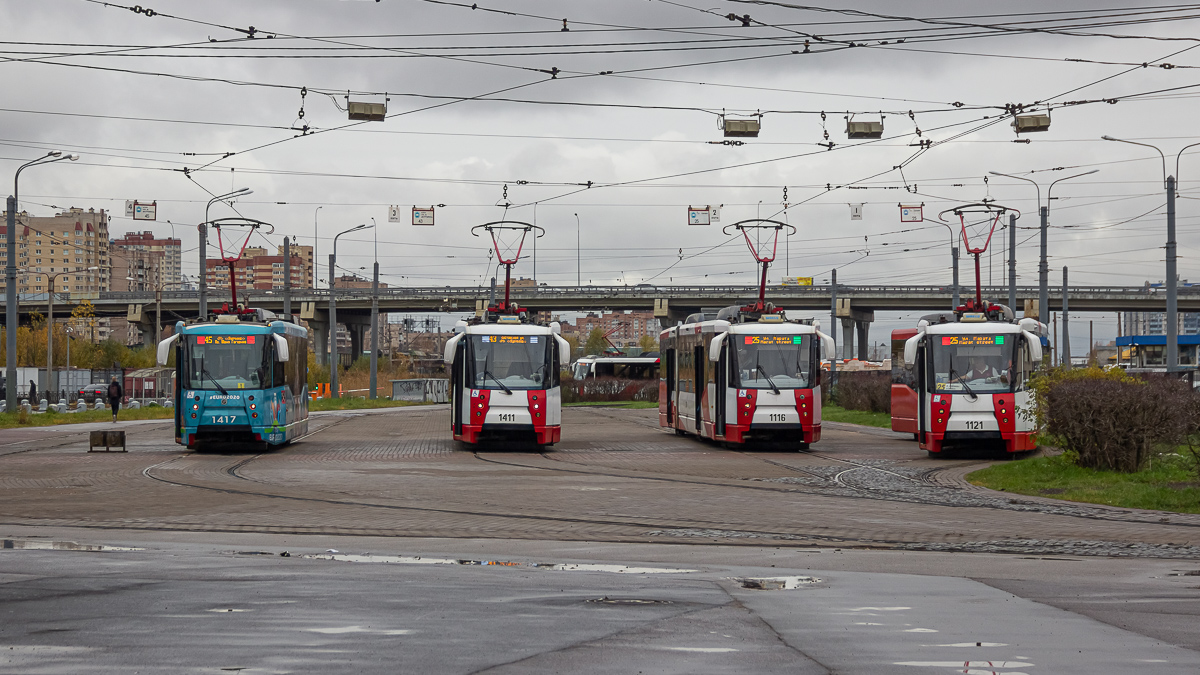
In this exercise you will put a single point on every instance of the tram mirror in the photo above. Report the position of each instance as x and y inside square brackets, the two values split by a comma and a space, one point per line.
[281, 348]
[555, 327]
[164, 349]
[910, 351]
[1035, 346]
[714, 347]
[829, 346]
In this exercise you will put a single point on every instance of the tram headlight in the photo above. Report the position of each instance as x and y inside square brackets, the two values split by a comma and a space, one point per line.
[535, 406]
[253, 406]
[747, 406]
[195, 406]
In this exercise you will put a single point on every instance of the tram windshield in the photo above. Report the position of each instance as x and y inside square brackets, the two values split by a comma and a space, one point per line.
[510, 361]
[224, 362]
[772, 361]
[979, 364]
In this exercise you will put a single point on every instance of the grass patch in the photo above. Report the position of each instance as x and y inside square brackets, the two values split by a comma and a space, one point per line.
[833, 413]
[49, 419]
[1170, 484]
[320, 404]
[632, 405]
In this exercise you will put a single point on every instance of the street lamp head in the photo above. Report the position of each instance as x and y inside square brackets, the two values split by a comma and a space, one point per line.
[73, 158]
[1108, 138]
[54, 153]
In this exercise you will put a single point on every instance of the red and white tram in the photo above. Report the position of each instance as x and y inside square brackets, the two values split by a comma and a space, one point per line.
[747, 374]
[959, 378]
[504, 368]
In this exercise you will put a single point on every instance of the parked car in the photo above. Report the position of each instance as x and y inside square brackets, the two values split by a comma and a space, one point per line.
[90, 392]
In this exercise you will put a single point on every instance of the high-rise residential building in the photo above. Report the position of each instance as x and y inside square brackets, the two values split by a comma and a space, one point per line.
[166, 254]
[260, 272]
[70, 241]
[624, 329]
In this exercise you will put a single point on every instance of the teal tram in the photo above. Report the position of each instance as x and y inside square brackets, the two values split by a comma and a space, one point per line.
[239, 378]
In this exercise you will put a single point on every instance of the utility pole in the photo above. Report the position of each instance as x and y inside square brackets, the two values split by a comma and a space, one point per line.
[202, 228]
[287, 278]
[375, 332]
[334, 366]
[1172, 297]
[1066, 347]
[1012, 262]
[1091, 343]
[833, 323]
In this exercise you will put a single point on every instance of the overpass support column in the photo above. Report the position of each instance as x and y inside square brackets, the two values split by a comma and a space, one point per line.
[358, 333]
[320, 331]
[848, 338]
[862, 327]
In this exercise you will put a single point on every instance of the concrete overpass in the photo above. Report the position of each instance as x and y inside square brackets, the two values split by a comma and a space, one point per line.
[671, 303]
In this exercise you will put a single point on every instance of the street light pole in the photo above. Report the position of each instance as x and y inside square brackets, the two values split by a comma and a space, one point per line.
[333, 364]
[1172, 317]
[11, 311]
[202, 228]
[375, 318]
[1043, 265]
[578, 266]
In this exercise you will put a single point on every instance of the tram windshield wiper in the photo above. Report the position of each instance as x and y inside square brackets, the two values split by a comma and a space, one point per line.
[764, 374]
[204, 372]
[954, 375]
[488, 373]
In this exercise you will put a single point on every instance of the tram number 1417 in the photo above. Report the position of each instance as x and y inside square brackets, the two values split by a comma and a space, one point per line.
[223, 419]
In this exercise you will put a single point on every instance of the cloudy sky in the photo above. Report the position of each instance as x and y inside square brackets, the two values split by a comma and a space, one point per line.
[616, 121]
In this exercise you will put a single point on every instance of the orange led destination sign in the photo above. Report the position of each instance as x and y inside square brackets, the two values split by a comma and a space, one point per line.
[224, 339]
[774, 339]
[973, 340]
[510, 339]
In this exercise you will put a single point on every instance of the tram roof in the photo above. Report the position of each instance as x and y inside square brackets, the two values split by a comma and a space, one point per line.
[721, 326]
[244, 328]
[971, 328]
[507, 329]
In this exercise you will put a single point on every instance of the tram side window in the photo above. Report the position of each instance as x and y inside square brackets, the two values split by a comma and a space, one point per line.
[1024, 367]
[901, 374]
[687, 372]
[294, 371]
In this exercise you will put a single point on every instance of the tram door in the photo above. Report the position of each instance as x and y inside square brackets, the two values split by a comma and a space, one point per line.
[722, 382]
[922, 383]
[179, 387]
[457, 376]
[671, 386]
[700, 363]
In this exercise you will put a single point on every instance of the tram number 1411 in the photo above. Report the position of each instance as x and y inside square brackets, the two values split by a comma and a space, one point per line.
[508, 417]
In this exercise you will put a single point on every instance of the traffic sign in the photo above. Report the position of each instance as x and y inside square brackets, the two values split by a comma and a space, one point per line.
[699, 215]
[143, 211]
[128, 208]
[394, 213]
[422, 216]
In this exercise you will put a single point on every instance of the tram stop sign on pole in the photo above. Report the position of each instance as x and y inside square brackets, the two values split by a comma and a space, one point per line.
[393, 213]
[911, 214]
[699, 215]
[422, 216]
[143, 211]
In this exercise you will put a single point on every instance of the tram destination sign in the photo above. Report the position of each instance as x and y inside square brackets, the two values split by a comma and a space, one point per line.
[224, 339]
[774, 339]
[972, 340]
[510, 339]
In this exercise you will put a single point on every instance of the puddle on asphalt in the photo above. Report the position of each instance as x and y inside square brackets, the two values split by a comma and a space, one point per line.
[776, 583]
[920, 630]
[344, 630]
[223, 610]
[972, 644]
[626, 601]
[703, 650]
[560, 567]
[46, 545]
[969, 666]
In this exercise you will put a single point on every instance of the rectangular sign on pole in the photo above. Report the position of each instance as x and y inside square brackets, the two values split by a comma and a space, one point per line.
[128, 208]
[797, 281]
[911, 214]
[699, 215]
[393, 214]
[145, 211]
[422, 216]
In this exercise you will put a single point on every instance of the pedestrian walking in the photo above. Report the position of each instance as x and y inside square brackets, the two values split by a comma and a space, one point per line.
[33, 399]
[115, 393]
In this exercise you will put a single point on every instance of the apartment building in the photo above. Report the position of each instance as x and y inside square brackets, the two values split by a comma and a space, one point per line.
[64, 245]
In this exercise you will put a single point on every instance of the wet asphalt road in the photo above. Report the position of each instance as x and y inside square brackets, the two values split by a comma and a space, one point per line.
[209, 592]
